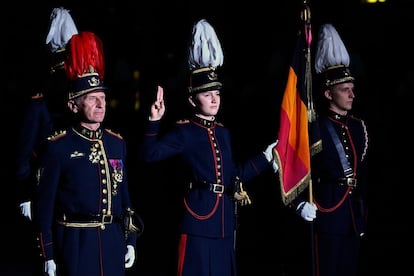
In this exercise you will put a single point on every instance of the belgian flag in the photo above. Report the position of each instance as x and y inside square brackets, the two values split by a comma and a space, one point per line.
[298, 135]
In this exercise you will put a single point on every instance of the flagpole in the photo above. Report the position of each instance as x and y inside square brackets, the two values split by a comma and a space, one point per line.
[312, 237]
[306, 18]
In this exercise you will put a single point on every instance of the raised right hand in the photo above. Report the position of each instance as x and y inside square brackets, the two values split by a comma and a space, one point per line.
[158, 107]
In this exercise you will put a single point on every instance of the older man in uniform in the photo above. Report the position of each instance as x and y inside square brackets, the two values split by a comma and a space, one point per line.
[82, 195]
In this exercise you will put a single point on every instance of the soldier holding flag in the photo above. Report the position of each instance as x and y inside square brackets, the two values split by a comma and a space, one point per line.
[339, 172]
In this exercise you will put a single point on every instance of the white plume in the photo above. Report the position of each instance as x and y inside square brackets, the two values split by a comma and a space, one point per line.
[330, 50]
[61, 30]
[205, 49]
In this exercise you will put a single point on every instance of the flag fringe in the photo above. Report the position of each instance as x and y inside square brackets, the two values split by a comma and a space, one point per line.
[300, 187]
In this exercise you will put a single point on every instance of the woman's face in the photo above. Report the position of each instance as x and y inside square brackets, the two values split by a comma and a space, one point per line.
[207, 103]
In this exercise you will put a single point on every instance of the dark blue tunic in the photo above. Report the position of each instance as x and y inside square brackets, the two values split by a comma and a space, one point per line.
[38, 123]
[82, 181]
[342, 209]
[208, 217]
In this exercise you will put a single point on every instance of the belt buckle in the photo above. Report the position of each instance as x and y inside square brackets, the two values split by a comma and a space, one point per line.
[107, 219]
[350, 181]
[217, 188]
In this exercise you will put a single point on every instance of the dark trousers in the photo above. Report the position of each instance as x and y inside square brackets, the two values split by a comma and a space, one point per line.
[336, 255]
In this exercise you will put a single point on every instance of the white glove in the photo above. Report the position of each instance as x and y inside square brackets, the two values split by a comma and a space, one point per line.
[129, 256]
[269, 154]
[25, 209]
[50, 268]
[307, 210]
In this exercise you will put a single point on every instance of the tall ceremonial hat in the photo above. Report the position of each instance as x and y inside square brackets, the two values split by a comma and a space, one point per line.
[205, 56]
[62, 28]
[332, 58]
[85, 64]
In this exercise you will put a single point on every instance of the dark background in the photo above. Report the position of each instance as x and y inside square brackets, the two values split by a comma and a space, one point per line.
[257, 39]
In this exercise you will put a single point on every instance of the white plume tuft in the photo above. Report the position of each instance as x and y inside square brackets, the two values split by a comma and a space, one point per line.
[330, 50]
[205, 49]
[61, 30]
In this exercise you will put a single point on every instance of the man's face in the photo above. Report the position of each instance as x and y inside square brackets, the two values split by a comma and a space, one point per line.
[341, 97]
[92, 106]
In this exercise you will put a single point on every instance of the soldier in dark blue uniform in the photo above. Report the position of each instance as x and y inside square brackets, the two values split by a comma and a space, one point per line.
[206, 245]
[83, 195]
[339, 171]
[45, 112]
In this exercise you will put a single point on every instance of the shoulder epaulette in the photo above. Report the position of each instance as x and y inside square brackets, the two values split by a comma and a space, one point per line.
[57, 135]
[355, 118]
[38, 95]
[114, 133]
[183, 122]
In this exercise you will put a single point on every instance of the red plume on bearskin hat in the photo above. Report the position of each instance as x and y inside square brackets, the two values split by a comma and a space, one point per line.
[85, 64]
